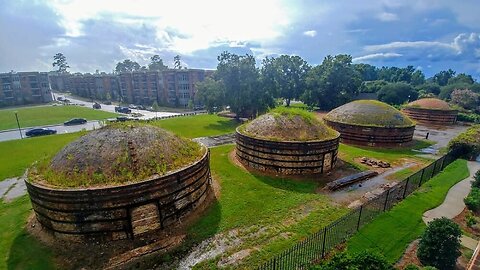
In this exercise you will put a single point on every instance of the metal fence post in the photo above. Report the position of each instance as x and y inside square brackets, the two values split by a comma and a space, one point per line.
[324, 241]
[421, 177]
[386, 200]
[406, 187]
[359, 217]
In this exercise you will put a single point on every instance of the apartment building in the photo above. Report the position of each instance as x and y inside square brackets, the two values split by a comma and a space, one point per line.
[19, 88]
[95, 86]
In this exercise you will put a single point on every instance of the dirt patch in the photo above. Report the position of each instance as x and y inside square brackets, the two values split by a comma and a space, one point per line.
[461, 221]
[410, 256]
[235, 258]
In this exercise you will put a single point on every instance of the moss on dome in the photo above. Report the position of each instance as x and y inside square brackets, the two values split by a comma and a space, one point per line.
[117, 154]
[371, 113]
[288, 124]
[430, 104]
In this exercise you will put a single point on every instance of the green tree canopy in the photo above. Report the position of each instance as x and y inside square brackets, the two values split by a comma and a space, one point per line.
[367, 72]
[243, 92]
[211, 93]
[333, 83]
[284, 76]
[60, 61]
[461, 78]
[156, 63]
[440, 244]
[397, 93]
[127, 66]
[177, 63]
[442, 77]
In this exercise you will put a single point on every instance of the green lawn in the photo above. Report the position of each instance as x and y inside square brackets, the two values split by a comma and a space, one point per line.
[47, 115]
[18, 155]
[198, 125]
[349, 152]
[254, 202]
[18, 250]
[391, 232]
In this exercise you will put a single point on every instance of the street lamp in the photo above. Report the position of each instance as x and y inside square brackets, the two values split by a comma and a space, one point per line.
[18, 124]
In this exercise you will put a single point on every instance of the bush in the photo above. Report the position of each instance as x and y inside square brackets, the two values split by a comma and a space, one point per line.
[397, 93]
[440, 244]
[472, 201]
[470, 219]
[476, 180]
[468, 117]
[467, 144]
[359, 261]
[414, 267]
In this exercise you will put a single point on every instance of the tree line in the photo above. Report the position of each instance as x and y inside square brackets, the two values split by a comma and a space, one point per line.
[249, 90]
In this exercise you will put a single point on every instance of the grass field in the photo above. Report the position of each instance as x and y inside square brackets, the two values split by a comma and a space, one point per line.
[404, 222]
[17, 155]
[47, 115]
[199, 125]
[18, 250]
[254, 203]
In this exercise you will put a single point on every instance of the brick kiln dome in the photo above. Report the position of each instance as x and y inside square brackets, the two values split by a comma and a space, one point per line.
[430, 104]
[371, 113]
[119, 154]
[284, 124]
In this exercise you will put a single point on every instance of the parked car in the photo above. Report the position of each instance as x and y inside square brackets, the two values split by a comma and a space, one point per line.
[60, 98]
[96, 105]
[39, 132]
[108, 103]
[141, 107]
[122, 109]
[198, 107]
[75, 121]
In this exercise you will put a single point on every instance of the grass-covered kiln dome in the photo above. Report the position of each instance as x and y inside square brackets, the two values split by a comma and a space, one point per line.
[118, 154]
[430, 104]
[370, 113]
[288, 124]
[431, 111]
[288, 141]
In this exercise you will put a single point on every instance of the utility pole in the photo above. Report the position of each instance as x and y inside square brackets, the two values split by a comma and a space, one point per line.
[18, 124]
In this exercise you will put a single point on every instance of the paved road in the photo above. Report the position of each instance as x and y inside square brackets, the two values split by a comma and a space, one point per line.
[111, 108]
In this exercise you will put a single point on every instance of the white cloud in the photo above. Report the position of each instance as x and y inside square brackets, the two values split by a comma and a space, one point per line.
[407, 44]
[375, 56]
[199, 24]
[387, 17]
[310, 33]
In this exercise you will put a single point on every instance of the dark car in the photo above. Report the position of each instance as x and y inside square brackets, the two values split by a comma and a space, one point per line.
[108, 103]
[75, 121]
[39, 132]
[141, 107]
[96, 105]
[122, 109]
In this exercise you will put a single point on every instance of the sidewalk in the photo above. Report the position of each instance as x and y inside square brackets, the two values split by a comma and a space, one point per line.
[453, 204]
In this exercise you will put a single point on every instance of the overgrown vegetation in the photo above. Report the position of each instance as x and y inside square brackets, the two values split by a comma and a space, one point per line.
[47, 115]
[126, 157]
[360, 261]
[472, 201]
[404, 221]
[466, 144]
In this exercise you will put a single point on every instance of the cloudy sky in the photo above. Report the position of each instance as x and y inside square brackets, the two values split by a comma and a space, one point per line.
[431, 35]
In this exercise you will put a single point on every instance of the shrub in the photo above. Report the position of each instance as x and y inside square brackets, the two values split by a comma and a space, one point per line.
[440, 244]
[470, 219]
[468, 117]
[472, 201]
[466, 144]
[414, 267]
[476, 180]
[362, 260]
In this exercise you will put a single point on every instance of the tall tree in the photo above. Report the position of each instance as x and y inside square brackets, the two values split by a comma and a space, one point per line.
[367, 72]
[211, 93]
[287, 74]
[177, 63]
[332, 83]
[60, 61]
[127, 66]
[442, 77]
[156, 63]
[461, 78]
[397, 93]
[243, 92]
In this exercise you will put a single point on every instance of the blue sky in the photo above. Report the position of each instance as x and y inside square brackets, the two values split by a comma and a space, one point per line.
[431, 35]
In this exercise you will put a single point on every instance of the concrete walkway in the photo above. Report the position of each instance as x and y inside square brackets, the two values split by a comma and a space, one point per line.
[453, 204]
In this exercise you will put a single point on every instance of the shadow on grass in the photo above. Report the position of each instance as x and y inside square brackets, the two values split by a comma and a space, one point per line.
[224, 125]
[295, 184]
[27, 252]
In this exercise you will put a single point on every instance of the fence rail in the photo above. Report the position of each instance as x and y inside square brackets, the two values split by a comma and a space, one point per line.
[317, 245]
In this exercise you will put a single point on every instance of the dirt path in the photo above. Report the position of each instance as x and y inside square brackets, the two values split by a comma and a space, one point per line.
[453, 204]
[12, 188]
